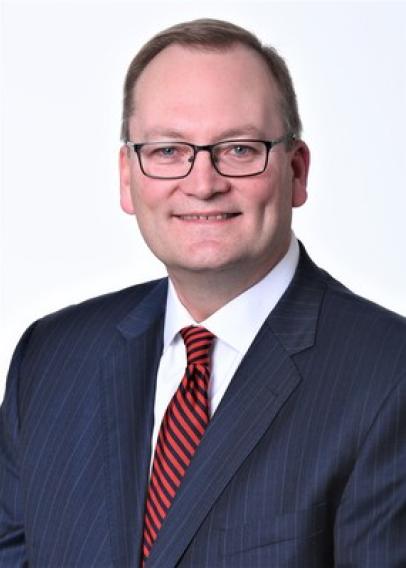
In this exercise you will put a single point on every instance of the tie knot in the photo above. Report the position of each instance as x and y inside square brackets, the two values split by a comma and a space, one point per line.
[198, 342]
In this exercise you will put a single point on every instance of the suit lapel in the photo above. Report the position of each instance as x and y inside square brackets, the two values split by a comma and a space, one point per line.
[264, 381]
[128, 391]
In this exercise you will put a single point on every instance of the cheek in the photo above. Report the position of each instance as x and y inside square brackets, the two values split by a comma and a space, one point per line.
[145, 195]
[261, 199]
[269, 205]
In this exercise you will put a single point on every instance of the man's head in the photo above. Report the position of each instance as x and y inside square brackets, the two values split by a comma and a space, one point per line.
[206, 93]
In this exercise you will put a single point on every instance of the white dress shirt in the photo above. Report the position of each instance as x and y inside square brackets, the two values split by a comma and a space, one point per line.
[235, 326]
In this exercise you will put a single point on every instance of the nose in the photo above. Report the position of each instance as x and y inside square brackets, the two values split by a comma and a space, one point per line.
[204, 181]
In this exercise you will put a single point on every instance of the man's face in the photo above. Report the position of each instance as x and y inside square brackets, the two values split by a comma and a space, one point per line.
[202, 98]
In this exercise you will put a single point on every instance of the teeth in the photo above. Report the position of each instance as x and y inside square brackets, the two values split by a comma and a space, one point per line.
[206, 217]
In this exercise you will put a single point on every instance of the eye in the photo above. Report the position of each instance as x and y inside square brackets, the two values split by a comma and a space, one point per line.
[167, 151]
[241, 150]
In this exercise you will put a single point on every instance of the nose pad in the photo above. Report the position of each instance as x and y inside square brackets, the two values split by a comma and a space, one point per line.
[211, 158]
[204, 180]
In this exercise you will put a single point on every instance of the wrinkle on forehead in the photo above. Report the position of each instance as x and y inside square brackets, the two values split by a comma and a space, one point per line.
[232, 87]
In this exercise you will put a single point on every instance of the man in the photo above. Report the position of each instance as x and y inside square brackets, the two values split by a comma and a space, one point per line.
[284, 443]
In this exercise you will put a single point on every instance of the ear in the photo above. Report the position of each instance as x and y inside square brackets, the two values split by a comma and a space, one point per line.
[300, 162]
[126, 201]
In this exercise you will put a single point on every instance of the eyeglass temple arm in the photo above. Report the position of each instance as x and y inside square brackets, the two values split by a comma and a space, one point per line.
[290, 137]
[132, 145]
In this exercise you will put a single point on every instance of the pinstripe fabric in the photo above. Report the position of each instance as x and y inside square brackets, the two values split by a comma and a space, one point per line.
[68, 461]
[303, 464]
[181, 431]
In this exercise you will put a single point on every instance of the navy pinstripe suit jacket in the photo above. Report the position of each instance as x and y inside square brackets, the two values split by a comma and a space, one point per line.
[303, 463]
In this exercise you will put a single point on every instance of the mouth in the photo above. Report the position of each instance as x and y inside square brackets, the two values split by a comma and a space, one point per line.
[207, 216]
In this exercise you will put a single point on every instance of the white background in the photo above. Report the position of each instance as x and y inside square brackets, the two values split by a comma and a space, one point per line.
[63, 235]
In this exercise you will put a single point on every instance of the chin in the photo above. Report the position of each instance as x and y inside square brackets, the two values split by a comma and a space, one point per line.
[197, 259]
[200, 267]
[194, 264]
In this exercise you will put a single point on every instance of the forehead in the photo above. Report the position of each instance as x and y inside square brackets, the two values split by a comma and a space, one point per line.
[190, 90]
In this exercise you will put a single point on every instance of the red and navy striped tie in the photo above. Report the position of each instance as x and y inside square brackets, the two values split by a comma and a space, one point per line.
[182, 428]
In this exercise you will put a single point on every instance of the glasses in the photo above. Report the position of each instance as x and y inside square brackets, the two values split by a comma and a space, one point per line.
[230, 158]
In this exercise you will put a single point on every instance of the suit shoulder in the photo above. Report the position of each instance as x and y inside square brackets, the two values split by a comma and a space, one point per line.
[347, 322]
[115, 303]
[341, 299]
[91, 318]
[317, 294]
[363, 331]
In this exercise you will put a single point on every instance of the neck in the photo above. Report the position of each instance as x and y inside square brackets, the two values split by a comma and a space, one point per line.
[204, 292]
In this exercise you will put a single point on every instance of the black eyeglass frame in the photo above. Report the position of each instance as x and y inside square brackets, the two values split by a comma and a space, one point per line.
[136, 146]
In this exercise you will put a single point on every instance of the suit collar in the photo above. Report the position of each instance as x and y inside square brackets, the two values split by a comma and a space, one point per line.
[144, 314]
[128, 378]
[265, 379]
[294, 319]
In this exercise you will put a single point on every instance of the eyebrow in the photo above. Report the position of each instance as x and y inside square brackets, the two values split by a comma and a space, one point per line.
[239, 131]
[244, 130]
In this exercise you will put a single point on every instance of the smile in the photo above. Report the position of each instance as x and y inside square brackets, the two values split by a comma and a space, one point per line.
[208, 217]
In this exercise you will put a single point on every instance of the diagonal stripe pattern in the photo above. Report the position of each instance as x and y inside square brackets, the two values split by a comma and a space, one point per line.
[182, 428]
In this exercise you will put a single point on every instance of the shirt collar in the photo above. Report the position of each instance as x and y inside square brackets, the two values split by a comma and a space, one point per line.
[248, 311]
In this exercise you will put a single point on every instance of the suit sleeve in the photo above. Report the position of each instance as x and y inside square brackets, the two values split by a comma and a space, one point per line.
[12, 538]
[370, 528]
